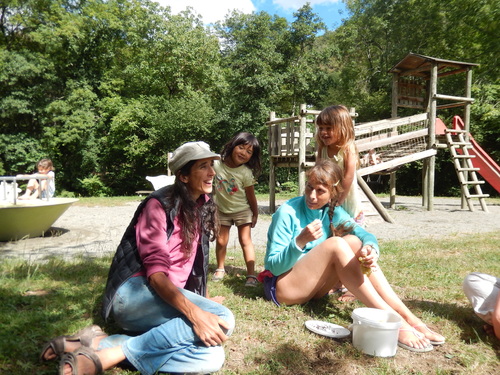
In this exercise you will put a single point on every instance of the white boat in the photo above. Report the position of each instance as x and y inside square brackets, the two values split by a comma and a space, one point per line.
[28, 218]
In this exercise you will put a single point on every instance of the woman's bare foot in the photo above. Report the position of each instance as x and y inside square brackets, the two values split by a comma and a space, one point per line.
[412, 339]
[89, 336]
[433, 337]
[83, 361]
[347, 297]
[87, 361]
[69, 346]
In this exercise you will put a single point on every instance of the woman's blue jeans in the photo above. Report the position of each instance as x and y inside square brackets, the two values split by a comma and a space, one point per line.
[168, 343]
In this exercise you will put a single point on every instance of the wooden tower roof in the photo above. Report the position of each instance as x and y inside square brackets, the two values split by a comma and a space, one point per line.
[419, 65]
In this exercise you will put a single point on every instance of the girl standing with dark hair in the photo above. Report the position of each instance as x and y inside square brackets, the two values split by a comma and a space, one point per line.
[236, 201]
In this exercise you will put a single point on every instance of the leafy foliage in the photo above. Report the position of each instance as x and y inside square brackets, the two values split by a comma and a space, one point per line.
[106, 88]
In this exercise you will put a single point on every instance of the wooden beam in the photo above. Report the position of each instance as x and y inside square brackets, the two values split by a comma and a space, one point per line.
[411, 98]
[455, 98]
[451, 105]
[377, 126]
[412, 106]
[282, 120]
[451, 72]
[396, 162]
[374, 200]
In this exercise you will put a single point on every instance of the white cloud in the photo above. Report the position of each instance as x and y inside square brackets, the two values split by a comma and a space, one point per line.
[296, 4]
[210, 11]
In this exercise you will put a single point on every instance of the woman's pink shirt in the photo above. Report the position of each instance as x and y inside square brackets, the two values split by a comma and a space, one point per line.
[158, 253]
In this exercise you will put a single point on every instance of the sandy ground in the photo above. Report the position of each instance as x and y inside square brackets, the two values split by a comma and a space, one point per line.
[96, 231]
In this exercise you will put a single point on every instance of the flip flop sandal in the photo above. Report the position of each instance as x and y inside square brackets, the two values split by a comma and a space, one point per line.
[251, 281]
[426, 349]
[441, 342]
[219, 278]
[85, 336]
[72, 360]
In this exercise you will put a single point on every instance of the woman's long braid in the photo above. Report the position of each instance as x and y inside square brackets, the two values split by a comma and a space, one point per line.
[331, 210]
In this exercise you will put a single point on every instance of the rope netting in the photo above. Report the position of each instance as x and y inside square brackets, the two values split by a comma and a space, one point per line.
[390, 142]
[382, 145]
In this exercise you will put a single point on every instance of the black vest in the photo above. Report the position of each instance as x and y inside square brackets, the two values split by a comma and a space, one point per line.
[127, 261]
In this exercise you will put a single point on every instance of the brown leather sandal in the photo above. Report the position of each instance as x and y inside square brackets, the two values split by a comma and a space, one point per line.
[85, 336]
[72, 360]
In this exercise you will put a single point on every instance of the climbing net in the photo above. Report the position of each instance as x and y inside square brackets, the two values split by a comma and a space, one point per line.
[391, 142]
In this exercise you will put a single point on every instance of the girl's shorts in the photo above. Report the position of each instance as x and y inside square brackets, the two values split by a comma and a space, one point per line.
[237, 218]
[270, 289]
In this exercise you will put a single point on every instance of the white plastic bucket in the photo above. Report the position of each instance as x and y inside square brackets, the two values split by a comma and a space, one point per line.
[375, 332]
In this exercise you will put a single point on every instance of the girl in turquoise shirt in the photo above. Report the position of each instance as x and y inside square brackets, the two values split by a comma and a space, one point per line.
[314, 244]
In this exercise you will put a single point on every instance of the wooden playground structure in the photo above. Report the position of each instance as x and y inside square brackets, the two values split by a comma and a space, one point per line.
[396, 141]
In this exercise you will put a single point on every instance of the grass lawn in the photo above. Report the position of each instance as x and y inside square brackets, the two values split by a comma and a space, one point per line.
[40, 301]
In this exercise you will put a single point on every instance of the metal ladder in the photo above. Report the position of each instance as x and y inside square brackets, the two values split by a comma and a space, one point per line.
[459, 148]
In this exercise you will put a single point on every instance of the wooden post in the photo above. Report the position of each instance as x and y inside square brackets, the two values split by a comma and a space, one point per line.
[424, 176]
[432, 138]
[272, 167]
[373, 199]
[392, 189]
[395, 94]
[302, 148]
[468, 93]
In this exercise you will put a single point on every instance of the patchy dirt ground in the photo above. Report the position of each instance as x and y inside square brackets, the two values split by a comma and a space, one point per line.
[96, 231]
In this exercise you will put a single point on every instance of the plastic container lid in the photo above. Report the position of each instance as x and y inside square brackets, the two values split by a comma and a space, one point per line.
[376, 318]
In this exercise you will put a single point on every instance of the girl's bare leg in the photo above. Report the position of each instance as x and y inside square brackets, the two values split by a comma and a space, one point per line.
[31, 190]
[321, 268]
[221, 249]
[384, 289]
[245, 238]
[356, 245]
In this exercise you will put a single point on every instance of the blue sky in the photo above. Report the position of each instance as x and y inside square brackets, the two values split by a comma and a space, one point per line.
[212, 11]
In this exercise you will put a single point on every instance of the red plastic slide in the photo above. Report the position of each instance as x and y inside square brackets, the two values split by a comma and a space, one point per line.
[488, 168]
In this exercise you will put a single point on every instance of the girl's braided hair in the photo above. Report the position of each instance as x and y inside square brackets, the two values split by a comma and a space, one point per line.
[329, 174]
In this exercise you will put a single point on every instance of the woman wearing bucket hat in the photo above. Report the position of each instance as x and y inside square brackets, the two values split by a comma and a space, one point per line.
[313, 244]
[156, 288]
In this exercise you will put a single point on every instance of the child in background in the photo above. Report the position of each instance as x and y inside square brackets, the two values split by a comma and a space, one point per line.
[335, 140]
[370, 158]
[235, 197]
[46, 187]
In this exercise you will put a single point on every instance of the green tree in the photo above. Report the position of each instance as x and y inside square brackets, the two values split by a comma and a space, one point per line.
[105, 88]
[380, 33]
